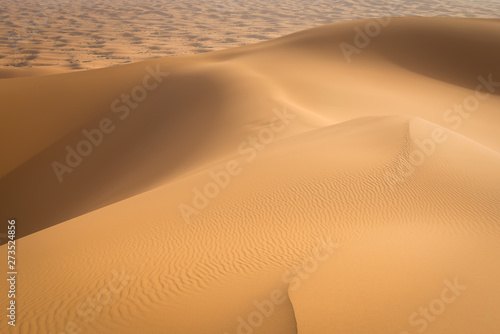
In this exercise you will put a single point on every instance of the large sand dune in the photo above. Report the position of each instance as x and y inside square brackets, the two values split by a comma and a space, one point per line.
[280, 187]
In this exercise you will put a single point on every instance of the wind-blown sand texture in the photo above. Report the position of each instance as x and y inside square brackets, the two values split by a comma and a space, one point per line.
[337, 167]
[51, 36]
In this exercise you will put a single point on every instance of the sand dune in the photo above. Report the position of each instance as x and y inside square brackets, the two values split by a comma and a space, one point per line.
[38, 37]
[379, 276]
[330, 194]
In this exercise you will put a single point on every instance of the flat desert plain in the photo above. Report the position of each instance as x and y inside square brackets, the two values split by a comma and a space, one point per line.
[339, 179]
[53, 36]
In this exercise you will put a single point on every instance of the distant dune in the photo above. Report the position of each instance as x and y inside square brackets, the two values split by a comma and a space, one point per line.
[327, 181]
[47, 36]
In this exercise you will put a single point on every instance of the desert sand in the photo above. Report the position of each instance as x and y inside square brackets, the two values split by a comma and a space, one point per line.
[280, 187]
[52, 36]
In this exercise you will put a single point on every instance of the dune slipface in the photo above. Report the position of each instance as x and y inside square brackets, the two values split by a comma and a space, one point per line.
[299, 185]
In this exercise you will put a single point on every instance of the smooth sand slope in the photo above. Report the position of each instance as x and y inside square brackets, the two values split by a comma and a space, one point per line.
[348, 195]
